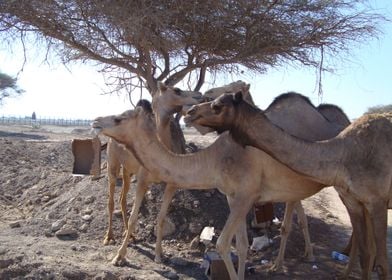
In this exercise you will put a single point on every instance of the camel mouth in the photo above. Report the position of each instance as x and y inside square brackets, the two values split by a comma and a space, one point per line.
[96, 128]
[189, 119]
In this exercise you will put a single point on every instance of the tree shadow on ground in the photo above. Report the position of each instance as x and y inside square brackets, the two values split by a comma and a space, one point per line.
[22, 135]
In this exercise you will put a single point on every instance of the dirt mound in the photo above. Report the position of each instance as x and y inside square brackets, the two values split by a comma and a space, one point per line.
[40, 197]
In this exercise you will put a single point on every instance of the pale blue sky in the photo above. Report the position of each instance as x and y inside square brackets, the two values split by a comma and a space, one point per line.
[359, 82]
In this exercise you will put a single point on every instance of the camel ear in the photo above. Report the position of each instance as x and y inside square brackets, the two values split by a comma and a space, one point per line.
[237, 98]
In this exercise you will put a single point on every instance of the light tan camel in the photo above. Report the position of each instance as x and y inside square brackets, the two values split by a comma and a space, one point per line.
[235, 171]
[358, 162]
[170, 100]
[296, 114]
[233, 87]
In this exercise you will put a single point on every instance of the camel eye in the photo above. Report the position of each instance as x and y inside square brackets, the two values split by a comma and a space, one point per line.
[117, 120]
[177, 91]
[216, 108]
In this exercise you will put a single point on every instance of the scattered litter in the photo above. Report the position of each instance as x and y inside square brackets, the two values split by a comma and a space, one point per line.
[207, 234]
[260, 243]
[264, 261]
[314, 267]
[340, 257]
[276, 221]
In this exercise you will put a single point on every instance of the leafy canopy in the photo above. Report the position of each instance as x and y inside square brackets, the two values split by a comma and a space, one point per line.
[139, 42]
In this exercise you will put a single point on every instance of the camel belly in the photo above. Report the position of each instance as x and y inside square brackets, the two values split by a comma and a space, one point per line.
[281, 184]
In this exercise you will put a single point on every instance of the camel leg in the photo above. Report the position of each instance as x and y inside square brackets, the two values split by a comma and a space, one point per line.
[112, 176]
[167, 197]
[284, 233]
[126, 182]
[350, 250]
[239, 207]
[242, 243]
[141, 188]
[378, 215]
[353, 253]
[358, 221]
[303, 222]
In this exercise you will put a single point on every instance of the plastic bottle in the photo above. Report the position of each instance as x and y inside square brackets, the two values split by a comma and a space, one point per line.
[340, 257]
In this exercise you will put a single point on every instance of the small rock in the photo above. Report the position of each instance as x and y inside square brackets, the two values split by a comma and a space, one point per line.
[45, 198]
[15, 224]
[89, 199]
[106, 275]
[50, 216]
[87, 211]
[87, 218]
[58, 224]
[83, 228]
[66, 230]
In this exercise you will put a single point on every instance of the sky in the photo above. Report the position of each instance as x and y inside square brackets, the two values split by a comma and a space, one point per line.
[361, 80]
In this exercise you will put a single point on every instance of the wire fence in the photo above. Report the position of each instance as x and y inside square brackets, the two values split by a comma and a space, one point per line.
[43, 121]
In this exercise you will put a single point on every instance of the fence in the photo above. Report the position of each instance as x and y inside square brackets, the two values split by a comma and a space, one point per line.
[43, 121]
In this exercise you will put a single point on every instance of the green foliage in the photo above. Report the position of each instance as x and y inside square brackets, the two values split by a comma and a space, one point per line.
[8, 87]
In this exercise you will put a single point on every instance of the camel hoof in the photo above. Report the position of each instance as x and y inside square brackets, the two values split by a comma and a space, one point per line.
[120, 261]
[275, 268]
[109, 241]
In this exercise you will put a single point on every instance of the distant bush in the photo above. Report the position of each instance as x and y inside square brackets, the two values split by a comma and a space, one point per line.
[379, 109]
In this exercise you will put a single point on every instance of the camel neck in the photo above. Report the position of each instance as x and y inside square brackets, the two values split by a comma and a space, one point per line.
[320, 161]
[183, 170]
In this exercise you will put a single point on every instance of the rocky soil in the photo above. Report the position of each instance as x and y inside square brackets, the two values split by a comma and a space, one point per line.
[52, 223]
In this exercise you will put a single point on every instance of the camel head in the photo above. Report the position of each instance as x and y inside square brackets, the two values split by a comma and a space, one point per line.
[233, 87]
[121, 127]
[218, 115]
[171, 100]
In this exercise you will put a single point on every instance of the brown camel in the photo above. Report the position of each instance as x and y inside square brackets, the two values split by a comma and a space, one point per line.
[167, 100]
[244, 178]
[296, 114]
[358, 162]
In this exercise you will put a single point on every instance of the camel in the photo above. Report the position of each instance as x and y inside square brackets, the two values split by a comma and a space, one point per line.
[233, 87]
[167, 100]
[357, 162]
[282, 113]
[234, 170]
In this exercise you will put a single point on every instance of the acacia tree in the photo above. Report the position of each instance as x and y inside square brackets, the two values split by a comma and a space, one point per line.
[8, 87]
[139, 42]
